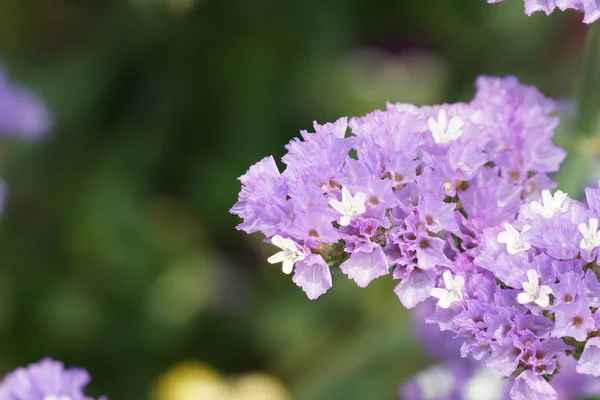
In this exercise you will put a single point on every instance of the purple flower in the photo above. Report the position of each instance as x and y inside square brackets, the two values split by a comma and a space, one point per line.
[529, 386]
[569, 289]
[415, 287]
[45, 380]
[590, 8]
[366, 263]
[574, 320]
[437, 215]
[589, 362]
[262, 204]
[313, 276]
[22, 113]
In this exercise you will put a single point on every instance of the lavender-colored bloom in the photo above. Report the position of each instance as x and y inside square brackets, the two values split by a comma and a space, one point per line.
[590, 8]
[589, 362]
[592, 289]
[574, 320]
[366, 263]
[529, 386]
[45, 380]
[415, 287]
[409, 187]
[313, 276]
[569, 288]
[22, 113]
[262, 203]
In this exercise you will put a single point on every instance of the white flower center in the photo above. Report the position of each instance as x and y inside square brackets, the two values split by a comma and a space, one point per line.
[444, 131]
[550, 204]
[513, 239]
[288, 255]
[533, 292]
[453, 291]
[435, 383]
[591, 236]
[56, 397]
[349, 206]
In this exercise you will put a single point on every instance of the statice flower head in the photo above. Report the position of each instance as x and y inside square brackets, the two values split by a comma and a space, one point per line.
[531, 294]
[460, 379]
[45, 380]
[405, 191]
[589, 8]
[22, 113]
[453, 377]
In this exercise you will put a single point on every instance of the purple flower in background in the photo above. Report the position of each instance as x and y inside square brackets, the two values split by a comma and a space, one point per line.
[22, 113]
[440, 381]
[455, 380]
[590, 8]
[461, 379]
[571, 385]
[439, 345]
[45, 380]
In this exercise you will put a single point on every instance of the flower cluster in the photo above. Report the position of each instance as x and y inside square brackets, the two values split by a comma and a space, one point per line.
[590, 8]
[459, 379]
[531, 293]
[45, 380]
[456, 378]
[408, 189]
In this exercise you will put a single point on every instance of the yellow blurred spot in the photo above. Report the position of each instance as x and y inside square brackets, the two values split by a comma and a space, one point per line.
[196, 381]
[191, 381]
[258, 386]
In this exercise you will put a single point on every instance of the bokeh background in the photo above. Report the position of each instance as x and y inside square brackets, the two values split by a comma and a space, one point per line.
[117, 251]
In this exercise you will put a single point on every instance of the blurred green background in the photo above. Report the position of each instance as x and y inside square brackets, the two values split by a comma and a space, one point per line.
[117, 249]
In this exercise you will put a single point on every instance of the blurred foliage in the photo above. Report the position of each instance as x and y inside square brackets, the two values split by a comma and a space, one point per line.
[117, 248]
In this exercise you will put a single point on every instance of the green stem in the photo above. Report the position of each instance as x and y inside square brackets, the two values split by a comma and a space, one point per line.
[574, 174]
[589, 91]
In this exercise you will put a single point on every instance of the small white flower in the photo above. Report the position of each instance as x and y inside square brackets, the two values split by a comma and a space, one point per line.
[533, 292]
[288, 255]
[591, 236]
[435, 382]
[513, 239]
[550, 204]
[453, 291]
[444, 131]
[349, 206]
